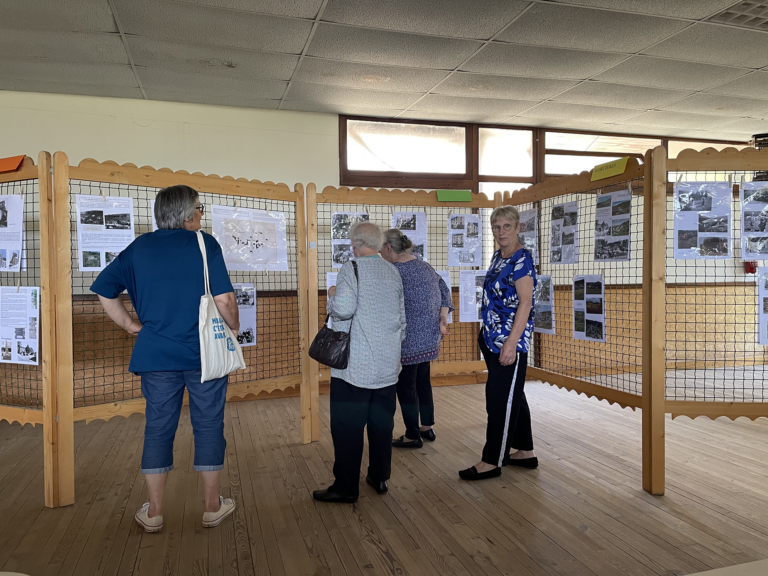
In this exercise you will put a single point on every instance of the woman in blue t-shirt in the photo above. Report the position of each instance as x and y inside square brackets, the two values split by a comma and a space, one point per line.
[505, 338]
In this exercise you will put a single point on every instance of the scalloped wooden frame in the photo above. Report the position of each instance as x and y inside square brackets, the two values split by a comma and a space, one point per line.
[396, 197]
[710, 159]
[27, 171]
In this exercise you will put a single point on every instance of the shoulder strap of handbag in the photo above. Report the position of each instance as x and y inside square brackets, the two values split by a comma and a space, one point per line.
[201, 243]
[357, 279]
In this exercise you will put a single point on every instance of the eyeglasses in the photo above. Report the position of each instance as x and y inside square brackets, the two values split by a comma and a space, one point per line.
[497, 229]
[200, 207]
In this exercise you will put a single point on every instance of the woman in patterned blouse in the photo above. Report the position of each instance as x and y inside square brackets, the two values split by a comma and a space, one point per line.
[505, 338]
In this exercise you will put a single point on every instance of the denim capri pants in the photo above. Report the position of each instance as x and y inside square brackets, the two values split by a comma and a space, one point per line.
[164, 393]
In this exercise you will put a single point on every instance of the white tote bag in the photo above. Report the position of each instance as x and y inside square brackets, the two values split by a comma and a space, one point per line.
[220, 351]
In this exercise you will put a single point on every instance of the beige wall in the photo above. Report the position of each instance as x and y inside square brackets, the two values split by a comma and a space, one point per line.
[276, 145]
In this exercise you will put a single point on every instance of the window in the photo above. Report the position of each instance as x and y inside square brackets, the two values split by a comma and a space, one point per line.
[599, 143]
[506, 152]
[561, 165]
[490, 188]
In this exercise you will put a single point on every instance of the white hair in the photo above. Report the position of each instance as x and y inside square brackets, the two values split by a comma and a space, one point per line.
[366, 235]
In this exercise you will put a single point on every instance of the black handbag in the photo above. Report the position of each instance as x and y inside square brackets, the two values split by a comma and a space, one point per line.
[330, 347]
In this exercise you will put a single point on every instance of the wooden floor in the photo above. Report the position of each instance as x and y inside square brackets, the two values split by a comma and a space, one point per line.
[583, 512]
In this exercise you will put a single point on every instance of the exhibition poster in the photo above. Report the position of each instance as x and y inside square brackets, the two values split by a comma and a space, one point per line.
[446, 276]
[11, 232]
[252, 240]
[464, 240]
[104, 229]
[612, 226]
[702, 220]
[413, 225]
[544, 306]
[564, 234]
[754, 220]
[471, 295]
[529, 232]
[341, 247]
[589, 307]
[245, 295]
[330, 280]
[19, 325]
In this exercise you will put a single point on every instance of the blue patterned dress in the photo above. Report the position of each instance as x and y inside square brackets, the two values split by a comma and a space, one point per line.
[500, 300]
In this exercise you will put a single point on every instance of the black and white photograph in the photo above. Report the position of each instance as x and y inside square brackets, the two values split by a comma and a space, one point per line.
[594, 306]
[418, 249]
[578, 321]
[594, 330]
[93, 217]
[479, 282]
[528, 242]
[621, 207]
[758, 245]
[756, 221]
[14, 260]
[713, 223]
[570, 219]
[695, 201]
[91, 259]
[245, 296]
[558, 212]
[713, 246]
[20, 333]
[341, 223]
[604, 202]
[3, 258]
[603, 227]
[542, 289]
[555, 235]
[246, 336]
[568, 238]
[32, 328]
[3, 215]
[457, 223]
[687, 239]
[342, 253]
[406, 222]
[765, 305]
[117, 221]
[528, 225]
[543, 316]
[109, 256]
[594, 288]
[472, 230]
[466, 257]
[578, 290]
[620, 227]
[759, 195]
[5, 351]
[457, 241]
[605, 250]
[556, 255]
[26, 352]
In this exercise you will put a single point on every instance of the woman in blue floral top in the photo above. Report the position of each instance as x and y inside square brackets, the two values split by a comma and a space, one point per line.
[505, 338]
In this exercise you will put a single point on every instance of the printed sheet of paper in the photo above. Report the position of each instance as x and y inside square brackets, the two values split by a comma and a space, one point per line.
[413, 225]
[564, 234]
[250, 239]
[471, 295]
[330, 280]
[589, 308]
[702, 221]
[11, 232]
[19, 325]
[544, 306]
[104, 229]
[446, 276]
[341, 222]
[245, 294]
[465, 240]
[613, 218]
[152, 210]
[529, 232]
[754, 221]
[762, 306]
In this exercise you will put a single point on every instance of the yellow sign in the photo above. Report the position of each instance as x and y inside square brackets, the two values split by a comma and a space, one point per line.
[612, 168]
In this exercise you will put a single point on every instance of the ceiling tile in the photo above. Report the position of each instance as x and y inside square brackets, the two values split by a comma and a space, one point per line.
[211, 60]
[746, 125]
[293, 8]
[714, 134]
[513, 88]
[578, 112]
[678, 120]
[337, 95]
[716, 45]
[53, 45]
[68, 15]
[69, 72]
[70, 88]
[719, 105]
[182, 22]
[619, 95]
[479, 19]
[535, 61]
[389, 48]
[754, 85]
[476, 117]
[171, 80]
[241, 100]
[340, 109]
[638, 130]
[584, 28]
[367, 76]
[662, 73]
[695, 9]
[461, 105]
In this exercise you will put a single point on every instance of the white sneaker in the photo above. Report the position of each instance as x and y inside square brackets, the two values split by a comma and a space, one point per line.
[154, 524]
[226, 507]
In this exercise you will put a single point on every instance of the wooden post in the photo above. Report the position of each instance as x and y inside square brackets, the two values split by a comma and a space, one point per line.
[48, 333]
[64, 354]
[654, 323]
[310, 401]
[496, 204]
[303, 291]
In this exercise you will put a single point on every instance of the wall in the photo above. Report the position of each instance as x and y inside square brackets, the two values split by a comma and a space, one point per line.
[276, 145]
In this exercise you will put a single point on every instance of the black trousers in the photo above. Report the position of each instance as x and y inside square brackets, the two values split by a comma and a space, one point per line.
[414, 391]
[509, 419]
[353, 408]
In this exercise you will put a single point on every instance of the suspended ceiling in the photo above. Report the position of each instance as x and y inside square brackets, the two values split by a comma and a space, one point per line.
[685, 68]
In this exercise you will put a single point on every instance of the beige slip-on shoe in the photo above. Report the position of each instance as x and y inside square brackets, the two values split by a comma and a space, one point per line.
[226, 507]
[149, 524]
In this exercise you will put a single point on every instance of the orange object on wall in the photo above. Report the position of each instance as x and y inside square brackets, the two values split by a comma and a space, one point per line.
[11, 164]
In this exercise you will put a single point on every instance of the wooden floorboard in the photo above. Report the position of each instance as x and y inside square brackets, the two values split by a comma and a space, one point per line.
[582, 513]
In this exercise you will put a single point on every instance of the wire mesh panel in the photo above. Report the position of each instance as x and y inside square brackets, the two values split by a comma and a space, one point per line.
[617, 362]
[102, 350]
[712, 346]
[22, 385]
[461, 344]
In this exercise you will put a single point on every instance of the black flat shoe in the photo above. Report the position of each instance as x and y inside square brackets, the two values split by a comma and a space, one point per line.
[429, 435]
[334, 497]
[402, 443]
[380, 487]
[473, 474]
[530, 463]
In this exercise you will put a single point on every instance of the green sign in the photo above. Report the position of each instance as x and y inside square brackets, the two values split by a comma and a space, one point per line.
[454, 196]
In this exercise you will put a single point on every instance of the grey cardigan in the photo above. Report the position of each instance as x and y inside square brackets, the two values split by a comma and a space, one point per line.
[372, 310]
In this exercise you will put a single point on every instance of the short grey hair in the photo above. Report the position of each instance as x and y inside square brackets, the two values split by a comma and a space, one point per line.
[366, 235]
[397, 240]
[175, 204]
[508, 212]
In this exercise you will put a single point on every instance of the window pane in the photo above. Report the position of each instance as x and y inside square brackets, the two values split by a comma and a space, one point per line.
[490, 188]
[563, 165]
[395, 147]
[595, 143]
[675, 146]
[506, 152]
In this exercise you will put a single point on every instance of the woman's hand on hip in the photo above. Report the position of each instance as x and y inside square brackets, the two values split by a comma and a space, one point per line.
[134, 328]
[508, 353]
